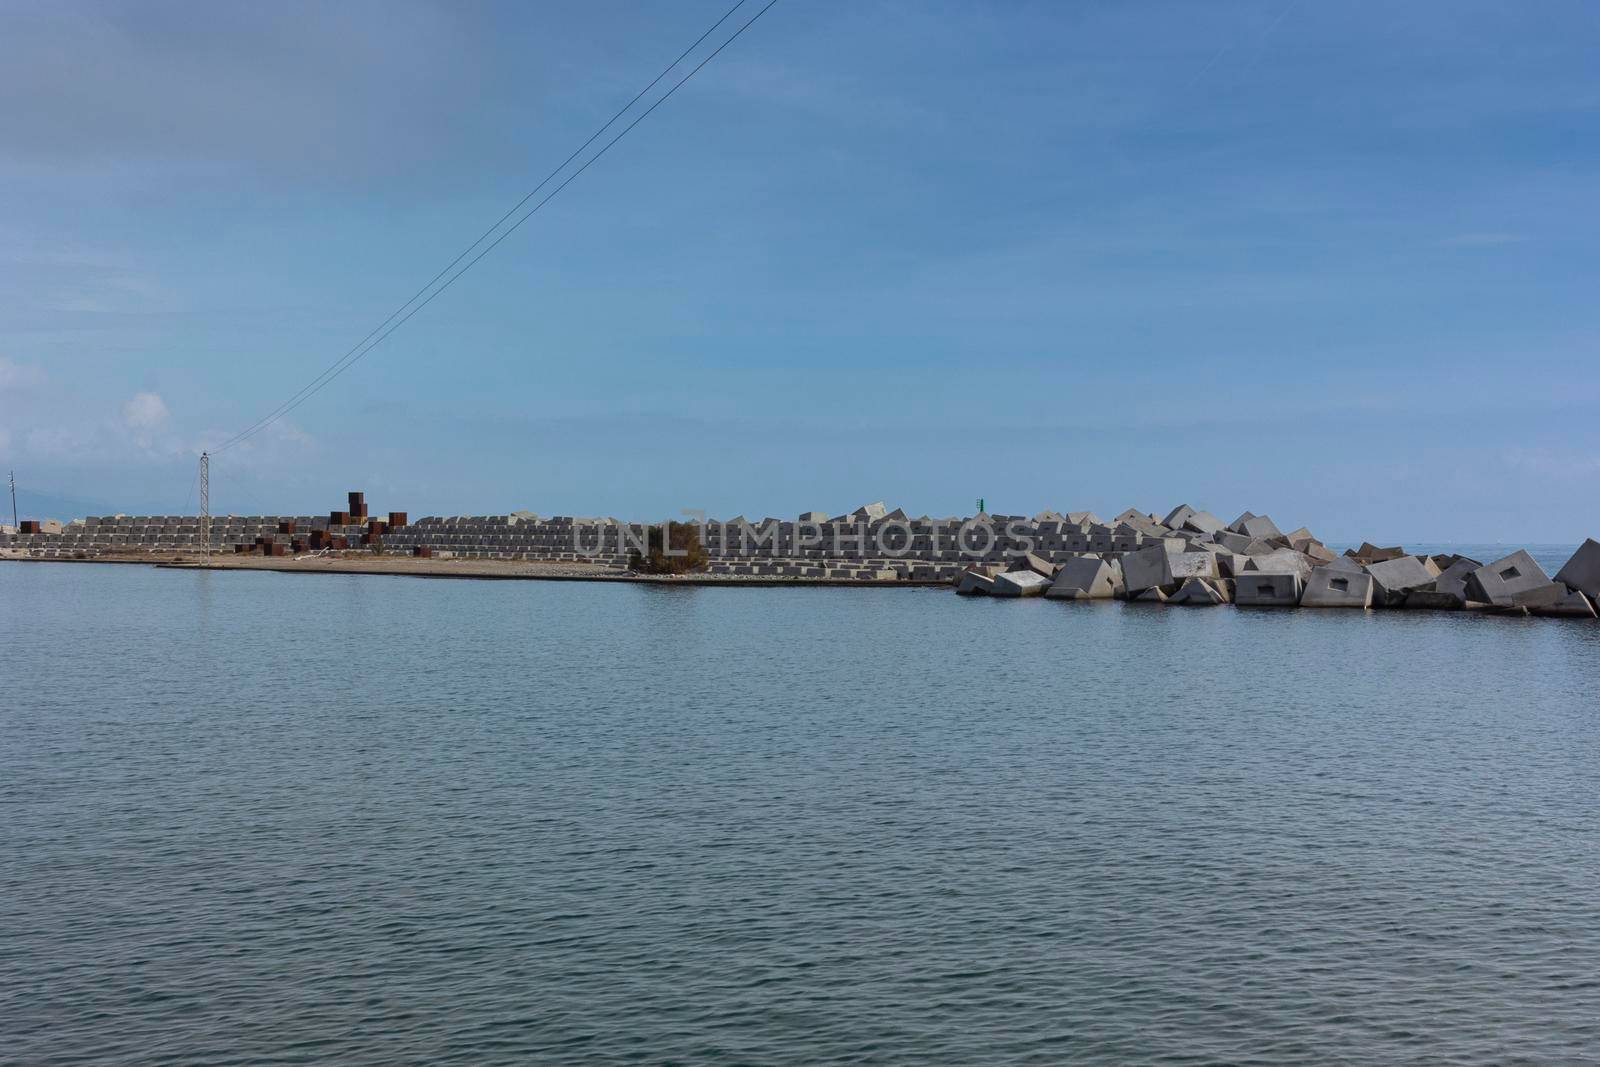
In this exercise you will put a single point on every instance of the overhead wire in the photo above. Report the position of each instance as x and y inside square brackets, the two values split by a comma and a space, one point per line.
[388, 326]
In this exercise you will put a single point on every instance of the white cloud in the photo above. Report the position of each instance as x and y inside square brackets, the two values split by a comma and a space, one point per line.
[145, 414]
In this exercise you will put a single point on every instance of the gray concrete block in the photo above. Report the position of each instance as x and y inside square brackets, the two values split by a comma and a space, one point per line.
[1500, 581]
[1582, 571]
[1541, 596]
[1191, 565]
[1574, 605]
[1177, 516]
[1198, 592]
[1147, 568]
[1256, 526]
[1019, 583]
[1151, 596]
[1282, 561]
[1202, 522]
[1086, 578]
[974, 583]
[1434, 600]
[1452, 581]
[1393, 578]
[1231, 541]
[1330, 588]
[1268, 589]
[1036, 564]
[1371, 553]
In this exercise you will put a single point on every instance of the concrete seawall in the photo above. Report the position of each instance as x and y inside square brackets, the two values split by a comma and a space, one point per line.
[1186, 557]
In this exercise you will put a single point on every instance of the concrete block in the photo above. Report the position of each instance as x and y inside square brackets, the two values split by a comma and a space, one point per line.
[1392, 579]
[1255, 526]
[1202, 522]
[1198, 592]
[1036, 564]
[1019, 583]
[1317, 551]
[1268, 589]
[1191, 565]
[1541, 596]
[1345, 563]
[1147, 568]
[1371, 553]
[1282, 561]
[1177, 516]
[1330, 588]
[1231, 541]
[1151, 596]
[1426, 599]
[1086, 578]
[1500, 581]
[974, 583]
[1574, 605]
[1582, 571]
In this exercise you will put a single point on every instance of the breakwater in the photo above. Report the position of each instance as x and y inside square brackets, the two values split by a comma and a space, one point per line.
[1185, 557]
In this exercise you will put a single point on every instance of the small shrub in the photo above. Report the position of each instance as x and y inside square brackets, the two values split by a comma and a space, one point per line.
[687, 552]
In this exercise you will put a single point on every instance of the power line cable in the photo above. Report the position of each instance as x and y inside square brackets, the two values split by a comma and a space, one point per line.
[363, 347]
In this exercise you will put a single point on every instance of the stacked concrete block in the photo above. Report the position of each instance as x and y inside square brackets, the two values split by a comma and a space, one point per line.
[1018, 584]
[1279, 589]
[1200, 592]
[1331, 587]
[1393, 579]
[1502, 581]
[1447, 592]
[1582, 571]
[1087, 578]
[1572, 604]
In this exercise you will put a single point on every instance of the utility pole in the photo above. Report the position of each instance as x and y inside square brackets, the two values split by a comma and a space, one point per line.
[14, 500]
[205, 510]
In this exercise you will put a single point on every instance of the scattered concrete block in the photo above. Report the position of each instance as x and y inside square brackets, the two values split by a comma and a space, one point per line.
[1345, 563]
[974, 583]
[1231, 541]
[1582, 571]
[1282, 561]
[1317, 551]
[1036, 564]
[1191, 565]
[1498, 582]
[1086, 578]
[1280, 589]
[1575, 605]
[1018, 583]
[1151, 596]
[1177, 516]
[1083, 518]
[1330, 588]
[1371, 553]
[1198, 592]
[1426, 599]
[1203, 522]
[1256, 526]
[1147, 568]
[1541, 596]
[1392, 579]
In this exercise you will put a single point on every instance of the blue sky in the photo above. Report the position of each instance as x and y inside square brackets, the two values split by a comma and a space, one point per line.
[1332, 262]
